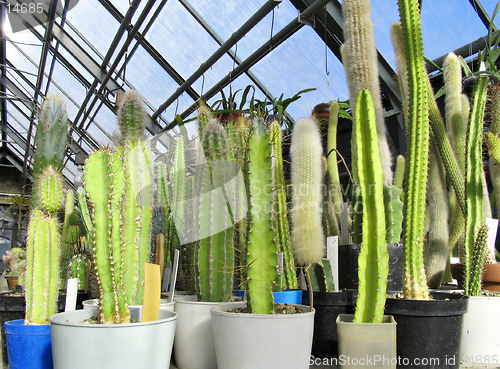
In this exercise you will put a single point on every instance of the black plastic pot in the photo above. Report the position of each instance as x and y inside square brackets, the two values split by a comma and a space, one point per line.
[328, 306]
[428, 332]
[348, 267]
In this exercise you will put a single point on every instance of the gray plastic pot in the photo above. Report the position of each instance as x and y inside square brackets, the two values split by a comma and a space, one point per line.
[278, 341]
[367, 344]
[194, 343]
[77, 345]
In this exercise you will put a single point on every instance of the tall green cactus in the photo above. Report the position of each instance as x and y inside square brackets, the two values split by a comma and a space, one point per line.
[262, 250]
[51, 135]
[474, 174]
[104, 181]
[306, 171]
[139, 192]
[214, 255]
[373, 259]
[414, 281]
[78, 268]
[280, 219]
[43, 245]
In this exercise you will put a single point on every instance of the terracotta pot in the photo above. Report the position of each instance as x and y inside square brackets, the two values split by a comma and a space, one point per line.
[491, 277]
[12, 281]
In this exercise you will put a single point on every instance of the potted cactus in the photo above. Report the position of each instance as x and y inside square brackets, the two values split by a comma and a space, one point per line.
[369, 332]
[43, 244]
[270, 339]
[14, 261]
[119, 185]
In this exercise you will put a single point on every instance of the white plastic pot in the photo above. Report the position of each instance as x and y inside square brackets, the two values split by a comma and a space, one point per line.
[367, 344]
[480, 344]
[77, 345]
[92, 304]
[278, 341]
[194, 344]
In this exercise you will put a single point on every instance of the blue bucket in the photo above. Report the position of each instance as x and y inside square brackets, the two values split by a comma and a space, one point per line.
[288, 297]
[28, 346]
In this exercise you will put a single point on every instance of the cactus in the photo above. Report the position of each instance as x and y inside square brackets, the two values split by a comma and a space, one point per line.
[51, 135]
[321, 276]
[139, 192]
[306, 166]
[42, 268]
[373, 259]
[214, 255]
[262, 249]
[478, 258]
[78, 267]
[104, 182]
[335, 188]
[14, 261]
[474, 175]
[414, 281]
[362, 69]
[280, 219]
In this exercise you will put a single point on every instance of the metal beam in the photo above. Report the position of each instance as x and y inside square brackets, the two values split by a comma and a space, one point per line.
[235, 37]
[3, 58]
[483, 15]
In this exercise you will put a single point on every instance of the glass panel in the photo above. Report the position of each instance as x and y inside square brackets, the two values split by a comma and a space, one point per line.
[148, 78]
[94, 23]
[184, 43]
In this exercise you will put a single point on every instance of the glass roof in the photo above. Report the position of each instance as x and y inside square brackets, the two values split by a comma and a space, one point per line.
[156, 46]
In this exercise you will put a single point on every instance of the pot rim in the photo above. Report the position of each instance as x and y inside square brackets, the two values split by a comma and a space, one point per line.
[306, 313]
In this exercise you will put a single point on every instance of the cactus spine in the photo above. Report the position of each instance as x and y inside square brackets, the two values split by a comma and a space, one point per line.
[414, 281]
[280, 219]
[373, 259]
[308, 241]
[261, 250]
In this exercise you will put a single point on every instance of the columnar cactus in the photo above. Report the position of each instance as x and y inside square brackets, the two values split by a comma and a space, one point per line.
[51, 135]
[262, 251]
[474, 174]
[119, 185]
[104, 179]
[308, 241]
[280, 219]
[43, 245]
[214, 253]
[360, 61]
[373, 258]
[414, 281]
[78, 268]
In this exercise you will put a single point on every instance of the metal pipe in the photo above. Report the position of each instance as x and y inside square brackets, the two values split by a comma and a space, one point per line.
[235, 37]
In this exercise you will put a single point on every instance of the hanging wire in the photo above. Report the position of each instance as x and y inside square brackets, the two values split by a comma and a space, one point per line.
[272, 31]
[202, 84]
[326, 50]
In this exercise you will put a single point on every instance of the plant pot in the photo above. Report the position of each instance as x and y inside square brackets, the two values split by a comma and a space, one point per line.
[194, 343]
[28, 346]
[481, 333]
[367, 344]
[293, 297]
[429, 331]
[78, 345]
[12, 281]
[491, 277]
[348, 267]
[328, 305]
[91, 304]
[262, 340]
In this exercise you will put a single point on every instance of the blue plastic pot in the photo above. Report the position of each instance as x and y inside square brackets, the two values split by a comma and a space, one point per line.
[288, 297]
[28, 346]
